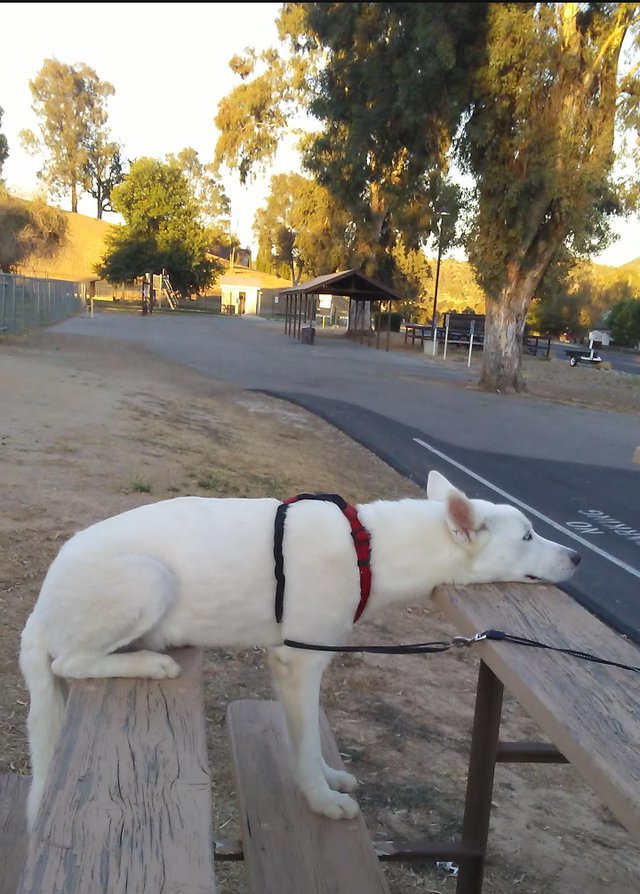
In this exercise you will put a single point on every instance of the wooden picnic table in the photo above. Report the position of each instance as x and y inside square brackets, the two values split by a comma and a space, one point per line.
[590, 712]
[127, 806]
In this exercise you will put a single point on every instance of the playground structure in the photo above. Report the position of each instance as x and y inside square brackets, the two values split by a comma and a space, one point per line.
[155, 288]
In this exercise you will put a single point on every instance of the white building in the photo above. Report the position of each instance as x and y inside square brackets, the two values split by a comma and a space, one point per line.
[241, 289]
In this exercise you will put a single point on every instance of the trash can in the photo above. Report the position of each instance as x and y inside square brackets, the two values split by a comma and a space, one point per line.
[308, 335]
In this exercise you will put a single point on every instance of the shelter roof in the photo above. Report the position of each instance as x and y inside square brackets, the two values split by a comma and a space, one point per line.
[350, 283]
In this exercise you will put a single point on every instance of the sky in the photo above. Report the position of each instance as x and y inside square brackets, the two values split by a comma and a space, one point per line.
[169, 65]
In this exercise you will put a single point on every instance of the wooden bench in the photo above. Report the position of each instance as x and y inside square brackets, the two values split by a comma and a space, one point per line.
[13, 829]
[127, 803]
[127, 806]
[532, 343]
[416, 330]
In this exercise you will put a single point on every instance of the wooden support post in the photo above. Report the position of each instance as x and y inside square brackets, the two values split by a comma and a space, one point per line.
[482, 762]
[388, 324]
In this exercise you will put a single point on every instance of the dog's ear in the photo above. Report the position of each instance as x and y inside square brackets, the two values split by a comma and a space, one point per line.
[461, 517]
[438, 487]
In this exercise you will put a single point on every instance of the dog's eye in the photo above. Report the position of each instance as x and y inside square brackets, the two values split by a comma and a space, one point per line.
[528, 536]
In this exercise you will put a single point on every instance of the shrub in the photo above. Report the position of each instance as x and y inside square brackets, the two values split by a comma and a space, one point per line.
[382, 319]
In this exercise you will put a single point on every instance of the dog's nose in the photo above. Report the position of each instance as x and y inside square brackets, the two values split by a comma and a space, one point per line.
[576, 558]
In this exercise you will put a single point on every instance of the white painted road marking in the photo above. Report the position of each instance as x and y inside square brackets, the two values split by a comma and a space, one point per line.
[549, 521]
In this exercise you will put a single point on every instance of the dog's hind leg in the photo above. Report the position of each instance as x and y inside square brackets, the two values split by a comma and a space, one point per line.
[297, 678]
[121, 601]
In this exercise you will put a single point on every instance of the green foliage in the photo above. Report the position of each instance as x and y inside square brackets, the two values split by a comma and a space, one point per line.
[162, 229]
[539, 139]
[389, 97]
[359, 69]
[624, 322]
[576, 296]
[70, 101]
[140, 486]
[302, 231]
[28, 229]
[384, 321]
[206, 188]
[254, 116]
[4, 146]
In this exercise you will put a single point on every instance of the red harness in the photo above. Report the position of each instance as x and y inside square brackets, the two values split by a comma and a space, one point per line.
[361, 542]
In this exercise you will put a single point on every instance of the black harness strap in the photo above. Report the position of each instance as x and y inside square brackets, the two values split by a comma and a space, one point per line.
[278, 556]
[361, 541]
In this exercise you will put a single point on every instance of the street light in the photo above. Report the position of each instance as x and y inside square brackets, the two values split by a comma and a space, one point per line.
[435, 293]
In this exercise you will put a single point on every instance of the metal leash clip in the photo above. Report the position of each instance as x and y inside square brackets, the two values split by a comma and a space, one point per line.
[461, 641]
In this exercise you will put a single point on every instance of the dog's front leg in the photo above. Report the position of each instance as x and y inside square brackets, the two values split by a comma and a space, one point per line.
[297, 677]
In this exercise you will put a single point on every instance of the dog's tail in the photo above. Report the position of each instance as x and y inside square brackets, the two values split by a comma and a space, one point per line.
[46, 711]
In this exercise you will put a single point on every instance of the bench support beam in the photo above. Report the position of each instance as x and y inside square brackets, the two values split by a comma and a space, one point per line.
[482, 763]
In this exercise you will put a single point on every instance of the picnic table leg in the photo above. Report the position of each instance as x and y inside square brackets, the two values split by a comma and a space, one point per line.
[482, 763]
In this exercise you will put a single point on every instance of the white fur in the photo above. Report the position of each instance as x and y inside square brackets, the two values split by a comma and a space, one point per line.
[200, 571]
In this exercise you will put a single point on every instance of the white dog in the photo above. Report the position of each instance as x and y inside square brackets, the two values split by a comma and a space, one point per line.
[200, 571]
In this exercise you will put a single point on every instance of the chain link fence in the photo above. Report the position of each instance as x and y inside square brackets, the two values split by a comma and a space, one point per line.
[27, 302]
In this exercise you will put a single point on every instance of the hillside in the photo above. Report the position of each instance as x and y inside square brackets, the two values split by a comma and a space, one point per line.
[83, 249]
[594, 289]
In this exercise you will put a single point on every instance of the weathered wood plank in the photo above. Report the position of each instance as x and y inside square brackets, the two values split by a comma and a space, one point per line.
[127, 803]
[589, 711]
[13, 829]
[287, 848]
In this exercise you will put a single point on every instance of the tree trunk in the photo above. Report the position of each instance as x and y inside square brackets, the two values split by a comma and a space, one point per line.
[74, 198]
[506, 317]
[504, 328]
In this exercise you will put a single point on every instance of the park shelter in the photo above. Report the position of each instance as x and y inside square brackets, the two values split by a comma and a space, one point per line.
[364, 294]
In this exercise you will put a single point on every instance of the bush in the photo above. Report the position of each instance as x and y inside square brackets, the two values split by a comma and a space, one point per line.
[624, 322]
[381, 320]
[28, 229]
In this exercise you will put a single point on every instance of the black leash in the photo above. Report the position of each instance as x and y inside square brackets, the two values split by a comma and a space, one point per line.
[408, 649]
[460, 642]
[575, 653]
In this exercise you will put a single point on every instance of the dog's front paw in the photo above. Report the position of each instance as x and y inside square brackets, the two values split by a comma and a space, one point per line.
[333, 804]
[161, 667]
[340, 780]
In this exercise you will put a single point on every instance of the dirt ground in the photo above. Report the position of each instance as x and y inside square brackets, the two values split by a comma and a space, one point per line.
[90, 428]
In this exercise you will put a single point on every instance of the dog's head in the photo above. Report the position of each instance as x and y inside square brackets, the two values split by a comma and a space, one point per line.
[499, 539]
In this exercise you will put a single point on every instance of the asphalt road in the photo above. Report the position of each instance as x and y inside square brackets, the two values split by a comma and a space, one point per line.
[569, 469]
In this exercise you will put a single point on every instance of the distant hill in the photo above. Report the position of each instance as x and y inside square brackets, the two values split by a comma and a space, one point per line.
[83, 249]
[600, 285]
[457, 288]
[630, 266]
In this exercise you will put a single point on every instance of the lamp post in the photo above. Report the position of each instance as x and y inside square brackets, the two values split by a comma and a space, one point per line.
[434, 318]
